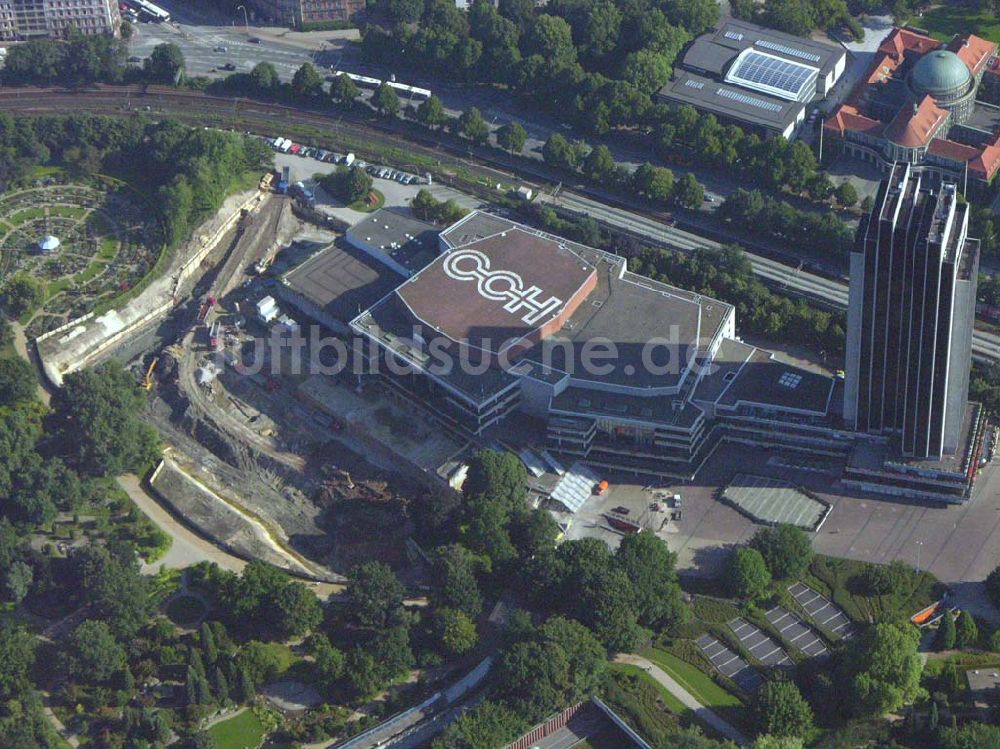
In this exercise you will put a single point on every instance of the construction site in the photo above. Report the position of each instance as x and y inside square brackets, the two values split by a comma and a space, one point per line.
[309, 472]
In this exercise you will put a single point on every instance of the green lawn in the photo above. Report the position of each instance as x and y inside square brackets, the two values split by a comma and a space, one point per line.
[245, 730]
[68, 211]
[109, 249]
[698, 683]
[673, 704]
[950, 18]
[16, 219]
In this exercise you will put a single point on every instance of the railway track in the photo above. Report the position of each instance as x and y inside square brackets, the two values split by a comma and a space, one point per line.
[270, 119]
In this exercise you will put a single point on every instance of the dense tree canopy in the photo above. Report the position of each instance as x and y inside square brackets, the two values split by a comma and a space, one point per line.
[377, 595]
[884, 668]
[101, 428]
[779, 710]
[786, 549]
[748, 576]
[165, 63]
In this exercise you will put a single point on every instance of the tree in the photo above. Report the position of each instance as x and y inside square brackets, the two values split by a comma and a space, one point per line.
[264, 77]
[17, 381]
[386, 101]
[165, 64]
[457, 631]
[748, 575]
[307, 83]
[559, 152]
[21, 294]
[551, 38]
[17, 654]
[92, 654]
[377, 595]
[780, 710]
[884, 668]
[344, 90]
[786, 550]
[207, 641]
[599, 164]
[967, 633]
[110, 580]
[329, 662]
[845, 194]
[455, 569]
[511, 137]
[265, 602]
[689, 192]
[867, 203]
[777, 742]
[431, 112]
[471, 125]
[17, 581]
[497, 475]
[793, 16]
[487, 725]
[647, 70]
[101, 428]
[993, 586]
[971, 735]
[650, 567]
[947, 633]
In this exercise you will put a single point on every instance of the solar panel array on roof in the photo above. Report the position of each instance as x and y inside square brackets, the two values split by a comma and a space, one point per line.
[786, 50]
[694, 84]
[734, 35]
[768, 74]
[753, 101]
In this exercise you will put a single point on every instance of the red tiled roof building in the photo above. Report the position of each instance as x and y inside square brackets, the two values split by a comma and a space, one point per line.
[914, 103]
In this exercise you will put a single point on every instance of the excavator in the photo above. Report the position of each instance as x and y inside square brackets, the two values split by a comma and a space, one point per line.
[148, 381]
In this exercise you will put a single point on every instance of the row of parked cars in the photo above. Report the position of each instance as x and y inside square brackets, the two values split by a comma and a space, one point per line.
[286, 146]
[384, 172]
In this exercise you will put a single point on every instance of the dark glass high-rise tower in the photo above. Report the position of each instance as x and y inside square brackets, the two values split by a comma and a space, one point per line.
[910, 317]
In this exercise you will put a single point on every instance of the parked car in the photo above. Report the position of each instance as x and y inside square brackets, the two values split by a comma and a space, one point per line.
[221, 50]
[229, 66]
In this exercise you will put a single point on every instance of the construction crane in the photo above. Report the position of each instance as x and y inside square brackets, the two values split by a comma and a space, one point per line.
[147, 383]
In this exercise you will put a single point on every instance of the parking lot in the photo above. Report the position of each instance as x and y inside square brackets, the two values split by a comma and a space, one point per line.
[759, 645]
[822, 611]
[796, 633]
[729, 664]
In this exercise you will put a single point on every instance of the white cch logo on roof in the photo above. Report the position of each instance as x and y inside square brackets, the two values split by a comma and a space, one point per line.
[499, 285]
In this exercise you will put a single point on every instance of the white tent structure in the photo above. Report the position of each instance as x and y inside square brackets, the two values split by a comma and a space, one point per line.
[48, 244]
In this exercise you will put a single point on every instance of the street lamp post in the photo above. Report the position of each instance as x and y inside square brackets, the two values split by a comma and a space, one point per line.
[920, 545]
[246, 21]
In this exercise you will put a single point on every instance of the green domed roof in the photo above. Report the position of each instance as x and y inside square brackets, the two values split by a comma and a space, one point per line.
[939, 72]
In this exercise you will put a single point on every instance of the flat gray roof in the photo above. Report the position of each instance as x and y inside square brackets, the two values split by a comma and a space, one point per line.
[342, 280]
[731, 101]
[769, 383]
[410, 242]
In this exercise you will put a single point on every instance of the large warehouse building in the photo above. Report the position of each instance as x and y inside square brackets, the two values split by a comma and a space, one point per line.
[755, 77]
[918, 104]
